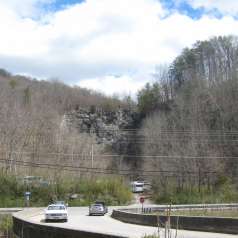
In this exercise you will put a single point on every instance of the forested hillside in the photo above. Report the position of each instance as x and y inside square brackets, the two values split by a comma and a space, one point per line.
[35, 137]
[186, 143]
[190, 130]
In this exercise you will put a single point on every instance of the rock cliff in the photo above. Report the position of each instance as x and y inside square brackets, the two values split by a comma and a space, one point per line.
[110, 127]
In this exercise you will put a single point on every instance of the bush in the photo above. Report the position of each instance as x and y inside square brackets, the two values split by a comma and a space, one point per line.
[151, 236]
[6, 226]
[111, 190]
[223, 191]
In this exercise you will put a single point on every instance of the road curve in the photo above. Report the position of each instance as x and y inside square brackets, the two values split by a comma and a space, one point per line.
[79, 220]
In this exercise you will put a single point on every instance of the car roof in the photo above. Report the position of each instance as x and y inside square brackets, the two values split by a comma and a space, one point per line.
[56, 205]
[137, 182]
[99, 202]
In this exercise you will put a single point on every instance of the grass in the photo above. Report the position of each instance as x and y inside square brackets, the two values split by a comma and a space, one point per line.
[151, 236]
[6, 226]
[223, 191]
[111, 190]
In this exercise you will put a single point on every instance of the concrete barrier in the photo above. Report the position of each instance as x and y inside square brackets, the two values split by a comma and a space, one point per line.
[26, 226]
[196, 223]
[9, 210]
[26, 229]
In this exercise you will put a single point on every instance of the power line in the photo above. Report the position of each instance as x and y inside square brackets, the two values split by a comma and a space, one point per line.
[164, 131]
[159, 131]
[156, 134]
[88, 155]
[56, 168]
[99, 170]
[106, 173]
[173, 140]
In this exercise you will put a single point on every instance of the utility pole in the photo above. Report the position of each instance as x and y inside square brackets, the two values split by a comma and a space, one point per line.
[92, 159]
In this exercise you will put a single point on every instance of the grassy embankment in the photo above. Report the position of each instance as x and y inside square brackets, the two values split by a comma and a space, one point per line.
[111, 190]
[114, 191]
[223, 191]
[6, 226]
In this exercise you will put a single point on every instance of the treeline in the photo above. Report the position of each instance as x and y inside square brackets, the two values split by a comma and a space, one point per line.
[32, 125]
[190, 128]
[54, 93]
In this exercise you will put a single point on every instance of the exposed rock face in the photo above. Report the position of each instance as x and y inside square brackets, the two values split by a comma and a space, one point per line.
[109, 127]
[115, 132]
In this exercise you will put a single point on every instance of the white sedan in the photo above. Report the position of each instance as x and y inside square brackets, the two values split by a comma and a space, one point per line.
[56, 212]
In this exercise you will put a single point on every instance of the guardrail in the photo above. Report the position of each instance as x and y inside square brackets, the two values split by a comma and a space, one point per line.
[9, 210]
[197, 223]
[160, 208]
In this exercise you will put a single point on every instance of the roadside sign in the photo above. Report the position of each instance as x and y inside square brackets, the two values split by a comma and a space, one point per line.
[142, 199]
[27, 198]
[27, 193]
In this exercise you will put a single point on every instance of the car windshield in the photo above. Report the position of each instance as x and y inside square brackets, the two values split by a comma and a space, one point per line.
[59, 202]
[97, 205]
[56, 208]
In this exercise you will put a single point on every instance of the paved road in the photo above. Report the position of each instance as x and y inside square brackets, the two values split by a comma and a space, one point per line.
[79, 220]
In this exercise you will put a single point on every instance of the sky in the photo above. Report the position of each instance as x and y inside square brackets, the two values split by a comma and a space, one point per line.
[113, 46]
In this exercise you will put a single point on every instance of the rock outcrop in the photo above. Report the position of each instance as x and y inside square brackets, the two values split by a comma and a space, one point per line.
[110, 127]
[115, 133]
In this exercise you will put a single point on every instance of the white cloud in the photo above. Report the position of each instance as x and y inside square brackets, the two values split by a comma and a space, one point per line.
[85, 43]
[111, 85]
[25, 8]
[223, 6]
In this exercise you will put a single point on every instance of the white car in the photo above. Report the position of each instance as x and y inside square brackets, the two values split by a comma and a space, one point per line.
[137, 186]
[56, 212]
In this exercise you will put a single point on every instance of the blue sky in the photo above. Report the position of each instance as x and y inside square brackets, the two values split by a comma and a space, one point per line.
[113, 46]
[59, 4]
[181, 6]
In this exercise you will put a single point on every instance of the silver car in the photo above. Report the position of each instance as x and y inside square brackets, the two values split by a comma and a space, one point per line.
[97, 209]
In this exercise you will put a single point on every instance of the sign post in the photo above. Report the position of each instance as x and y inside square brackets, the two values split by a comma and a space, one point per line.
[142, 200]
[27, 198]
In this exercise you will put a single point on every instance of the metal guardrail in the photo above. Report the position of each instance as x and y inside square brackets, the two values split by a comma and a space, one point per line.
[161, 208]
[197, 223]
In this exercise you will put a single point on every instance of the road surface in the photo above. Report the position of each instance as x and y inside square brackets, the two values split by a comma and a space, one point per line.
[80, 220]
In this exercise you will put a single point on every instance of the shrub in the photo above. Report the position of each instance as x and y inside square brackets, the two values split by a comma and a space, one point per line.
[112, 190]
[223, 191]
